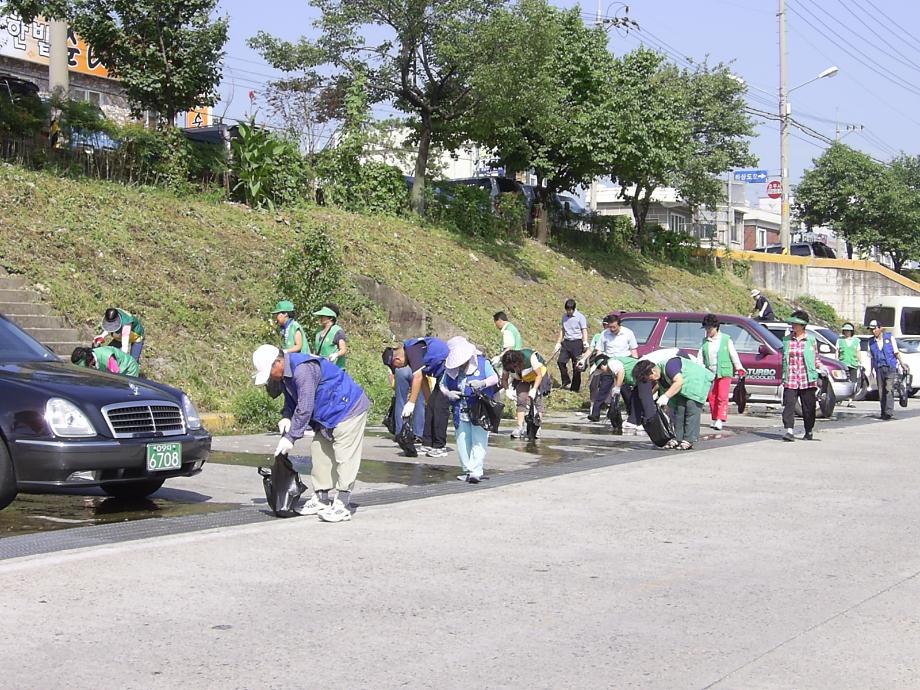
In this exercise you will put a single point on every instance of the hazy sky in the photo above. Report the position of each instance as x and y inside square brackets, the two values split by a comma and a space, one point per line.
[878, 85]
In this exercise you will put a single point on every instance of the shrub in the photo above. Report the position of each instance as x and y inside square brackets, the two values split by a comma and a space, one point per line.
[255, 410]
[312, 272]
[674, 247]
[820, 310]
[269, 170]
[381, 189]
[469, 211]
[22, 115]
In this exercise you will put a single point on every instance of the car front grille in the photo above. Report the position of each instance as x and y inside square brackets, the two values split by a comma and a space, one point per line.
[129, 420]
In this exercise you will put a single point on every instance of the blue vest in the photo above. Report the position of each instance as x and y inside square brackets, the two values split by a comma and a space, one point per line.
[436, 351]
[336, 393]
[884, 357]
[483, 371]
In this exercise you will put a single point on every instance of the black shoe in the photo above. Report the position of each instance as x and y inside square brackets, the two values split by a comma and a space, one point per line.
[788, 437]
[886, 416]
[593, 419]
[565, 386]
[470, 479]
[808, 436]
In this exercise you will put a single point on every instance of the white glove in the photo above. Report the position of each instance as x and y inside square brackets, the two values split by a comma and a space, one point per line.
[284, 426]
[284, 446]
[615, 390]
[408, 409]
[663, 400]
[511, 394]
[452, 395]
[478, 384]
[496, 361]
[532, 393]
[334, 356]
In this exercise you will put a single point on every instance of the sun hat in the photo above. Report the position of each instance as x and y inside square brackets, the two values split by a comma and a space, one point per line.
[113, 324]
[847, 327]
[325, 311]
[263, 359]
[755, 293]
[799, 317]
[284, 305]
[460, 351]
[873, 324]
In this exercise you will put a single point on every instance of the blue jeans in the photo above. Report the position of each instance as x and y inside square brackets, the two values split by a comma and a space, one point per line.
[403, 386]
[472, 442]
[136, 349]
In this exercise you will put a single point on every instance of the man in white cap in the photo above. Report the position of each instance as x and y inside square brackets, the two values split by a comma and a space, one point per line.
[321, 396]
[763, 311]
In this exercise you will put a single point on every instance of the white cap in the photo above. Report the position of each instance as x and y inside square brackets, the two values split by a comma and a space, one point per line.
[263, 359]
[873, 324]
[755, 292]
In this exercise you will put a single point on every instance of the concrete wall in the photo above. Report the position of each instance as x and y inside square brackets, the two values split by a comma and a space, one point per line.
[848, 286]
[408, 319]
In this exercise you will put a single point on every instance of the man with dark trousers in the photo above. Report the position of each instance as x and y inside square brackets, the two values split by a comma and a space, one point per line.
[573, 341]
[425, 357]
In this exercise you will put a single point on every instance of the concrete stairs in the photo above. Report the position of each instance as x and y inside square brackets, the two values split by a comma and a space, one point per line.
[22, 305]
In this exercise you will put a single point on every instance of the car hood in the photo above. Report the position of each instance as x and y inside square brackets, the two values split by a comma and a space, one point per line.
[58, 379]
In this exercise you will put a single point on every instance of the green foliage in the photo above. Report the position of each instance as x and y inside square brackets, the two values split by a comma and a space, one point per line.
[256, 411]
[469, 211]
[81, 116]
[820, 310]
[269, 170]
[22, 115]
[381, 189]
[312, 272]
[674, 247]
[609, 234]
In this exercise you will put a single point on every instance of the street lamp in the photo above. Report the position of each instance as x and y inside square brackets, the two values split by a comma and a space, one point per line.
[785, 110]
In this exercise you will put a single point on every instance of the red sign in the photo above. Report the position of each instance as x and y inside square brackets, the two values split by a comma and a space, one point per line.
[775, 189]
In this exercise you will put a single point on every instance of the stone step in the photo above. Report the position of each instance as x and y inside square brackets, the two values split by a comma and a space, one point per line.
[42, 321]
[12, 282]
[54, 335]
[19, 296]
[64, 349]
[24, 308]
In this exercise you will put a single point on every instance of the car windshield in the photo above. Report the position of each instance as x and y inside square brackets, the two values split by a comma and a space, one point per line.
[800, 250]
[829, 334]
[641, 328]
[17, 346]
[909, 346]
[760, 330]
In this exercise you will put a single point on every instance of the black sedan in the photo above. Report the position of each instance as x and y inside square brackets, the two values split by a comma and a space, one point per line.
[65, 426]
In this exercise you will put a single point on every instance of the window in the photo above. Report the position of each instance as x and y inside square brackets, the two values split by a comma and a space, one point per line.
[761, 237]
[683, 334]
[677, 223]
[800, 250]
[884, 315]
[17, 346]
[88, 96]
[745, 341]
[733, 227]
[910, 321]
[642, 328]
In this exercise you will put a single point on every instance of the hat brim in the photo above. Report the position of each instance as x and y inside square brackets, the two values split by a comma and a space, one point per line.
[260, 378]
[801, 322]
[325, 312]
[111, 326]
[460, 355]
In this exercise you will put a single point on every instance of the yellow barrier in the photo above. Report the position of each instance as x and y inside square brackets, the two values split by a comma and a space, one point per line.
[853, 264]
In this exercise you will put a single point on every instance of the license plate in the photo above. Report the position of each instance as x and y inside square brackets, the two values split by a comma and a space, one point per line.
[164, 456]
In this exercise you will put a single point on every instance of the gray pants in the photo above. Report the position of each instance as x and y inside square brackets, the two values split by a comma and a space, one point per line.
[687, 415]
[885, 378]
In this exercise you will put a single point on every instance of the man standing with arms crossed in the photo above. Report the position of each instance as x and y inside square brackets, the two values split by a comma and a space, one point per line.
[573, 341]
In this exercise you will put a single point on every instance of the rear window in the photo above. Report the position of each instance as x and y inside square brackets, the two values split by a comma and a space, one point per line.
[774, 250]
[910, 321]
[642, 328]
[505, 185]
[745, 341]
[884, 315]
[800, 250]
[683, 334]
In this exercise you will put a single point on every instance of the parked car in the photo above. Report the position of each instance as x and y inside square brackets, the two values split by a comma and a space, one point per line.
[760, 351]
[66, 426]
[910, 355]
[816, 250]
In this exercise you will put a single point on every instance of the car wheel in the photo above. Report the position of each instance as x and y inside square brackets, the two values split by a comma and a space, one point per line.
[862, 389]
[827, 401]
[133, 489]
[7, 477]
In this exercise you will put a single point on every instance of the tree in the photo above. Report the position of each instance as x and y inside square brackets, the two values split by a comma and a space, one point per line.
[166, 53]
[549, 97]
[418, 54]
[676, 128]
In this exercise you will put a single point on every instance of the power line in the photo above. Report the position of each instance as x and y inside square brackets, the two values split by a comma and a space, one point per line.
[893, 23]
[886, 40]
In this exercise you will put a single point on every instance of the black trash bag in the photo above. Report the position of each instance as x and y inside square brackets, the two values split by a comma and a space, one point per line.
[486, 411]
[390, 420]
[533, 420]
[615, 416]
[739, 395]
[659, 428]
[283, 487]
[405, 439]
[902, 384]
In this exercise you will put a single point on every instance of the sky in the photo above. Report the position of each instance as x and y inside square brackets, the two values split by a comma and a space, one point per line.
[874, 99]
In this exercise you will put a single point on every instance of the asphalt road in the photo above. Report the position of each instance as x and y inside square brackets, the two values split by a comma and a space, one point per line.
[753, 565]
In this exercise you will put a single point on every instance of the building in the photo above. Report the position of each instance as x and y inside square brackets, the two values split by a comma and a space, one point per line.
[667, 209]
[761, 228]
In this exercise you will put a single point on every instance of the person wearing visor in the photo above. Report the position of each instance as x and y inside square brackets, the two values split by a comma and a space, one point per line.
[848, 353]
[125, 330]
[330, 342]
[106, 358]
[293, 336]
[800, 376]
[717, 353]
[883, 350]
[318, 395]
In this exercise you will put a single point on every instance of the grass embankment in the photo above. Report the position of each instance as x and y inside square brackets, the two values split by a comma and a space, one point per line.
[200, 273]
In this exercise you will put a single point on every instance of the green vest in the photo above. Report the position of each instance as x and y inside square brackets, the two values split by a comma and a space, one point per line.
[629, 363]
[697, 380]
[724, 366]
[849, 350]
[127, 365]
[595, 339]
[532, 376]
[291, 329]
[325, 346]
[810, 371]
[518, 341]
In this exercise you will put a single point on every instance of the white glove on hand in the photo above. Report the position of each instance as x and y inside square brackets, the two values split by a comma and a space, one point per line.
[452, 395]
[284, 426]
[663, 400]
[284, 446]
[496, 361]
[532, 393]
[334, 356]
[511, 394]
[408, 409]
[478, 384]
[615, 391]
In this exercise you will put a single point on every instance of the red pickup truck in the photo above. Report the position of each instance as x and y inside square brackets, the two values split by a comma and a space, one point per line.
[760, 351]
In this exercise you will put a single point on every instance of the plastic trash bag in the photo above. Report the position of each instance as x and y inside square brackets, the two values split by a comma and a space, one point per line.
[390, 420]
[283, 487]
[615, 415]
[486, 411]
[533, 421]
[659, 428]
[740, 396]
[405, 439]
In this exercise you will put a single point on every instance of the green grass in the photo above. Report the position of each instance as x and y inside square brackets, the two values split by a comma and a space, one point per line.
[200, 274]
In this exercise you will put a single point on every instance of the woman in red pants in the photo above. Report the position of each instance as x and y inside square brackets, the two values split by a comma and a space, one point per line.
[717, 353]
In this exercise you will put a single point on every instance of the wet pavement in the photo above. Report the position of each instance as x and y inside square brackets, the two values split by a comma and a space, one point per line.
[229, 480]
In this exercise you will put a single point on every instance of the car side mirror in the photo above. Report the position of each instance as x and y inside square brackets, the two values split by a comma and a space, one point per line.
[763, 350]
[825, 349]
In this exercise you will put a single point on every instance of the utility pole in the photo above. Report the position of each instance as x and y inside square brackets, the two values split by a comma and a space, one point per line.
[784, 130]
[58, 64]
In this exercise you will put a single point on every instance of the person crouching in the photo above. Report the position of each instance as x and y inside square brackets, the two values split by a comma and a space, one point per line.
[684, 386]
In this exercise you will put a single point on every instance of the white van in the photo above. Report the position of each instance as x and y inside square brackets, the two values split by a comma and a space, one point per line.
[900, 316]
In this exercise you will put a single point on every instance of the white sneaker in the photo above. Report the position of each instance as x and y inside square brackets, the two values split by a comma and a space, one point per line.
[312, 506]
[630, 425]
[437, 453]
[337, 512]
[717, 425]
[518, 433]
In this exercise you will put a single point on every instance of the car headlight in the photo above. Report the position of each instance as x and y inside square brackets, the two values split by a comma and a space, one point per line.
[66, 419]
[192, 418]
[839, 374]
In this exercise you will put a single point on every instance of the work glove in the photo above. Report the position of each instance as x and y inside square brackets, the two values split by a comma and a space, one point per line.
[741, 373]
[511, 394]
[478, 384]
[333, 357]
[284, 446]
[408, 409]
[532, 393]
[663, 400]
[284, 426]
[615, 391]
[496, 361]
[453, 396]
[98, 340]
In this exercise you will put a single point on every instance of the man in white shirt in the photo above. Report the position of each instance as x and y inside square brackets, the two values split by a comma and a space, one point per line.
[618, 340]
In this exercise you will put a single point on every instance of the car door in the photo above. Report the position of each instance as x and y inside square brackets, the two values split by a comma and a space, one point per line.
[763, 364]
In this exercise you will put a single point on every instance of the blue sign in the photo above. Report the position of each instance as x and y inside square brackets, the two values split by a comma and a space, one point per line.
[751, 175]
